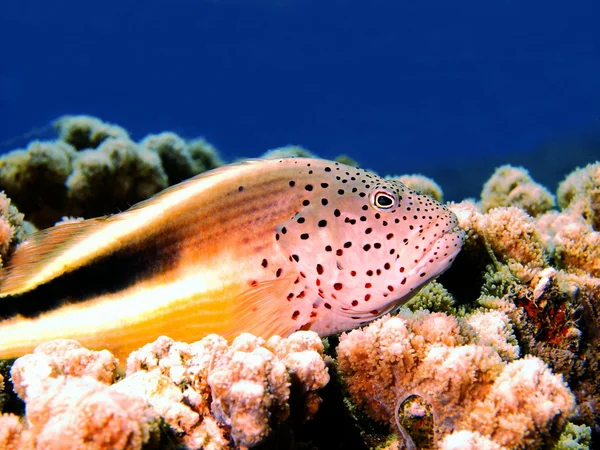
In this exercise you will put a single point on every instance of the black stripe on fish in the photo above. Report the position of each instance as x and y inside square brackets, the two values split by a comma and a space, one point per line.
[105, 275]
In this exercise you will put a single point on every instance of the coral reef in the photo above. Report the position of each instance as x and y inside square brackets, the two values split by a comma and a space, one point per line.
[574, 438]
[83, 132]
[13, 227]
[513, 186]
[209, 394]
[422, 184]
[464, 368]
[288, 151]
[501, 351]
[94, 168]
[580, 192]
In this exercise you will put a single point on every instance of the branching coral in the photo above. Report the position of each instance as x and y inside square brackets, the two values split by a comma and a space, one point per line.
[471, 380]
[513, 186]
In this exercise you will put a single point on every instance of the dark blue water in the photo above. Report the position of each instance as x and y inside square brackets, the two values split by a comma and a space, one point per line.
[400, 86]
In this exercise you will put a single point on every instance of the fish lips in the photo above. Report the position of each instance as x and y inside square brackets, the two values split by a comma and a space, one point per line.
[430, 265]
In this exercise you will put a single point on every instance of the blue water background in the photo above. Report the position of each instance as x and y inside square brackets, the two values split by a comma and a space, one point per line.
[446, 88]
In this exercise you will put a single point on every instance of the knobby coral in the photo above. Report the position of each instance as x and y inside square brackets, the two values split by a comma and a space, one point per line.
[465, 368]
[422, 184]
[94, 168]
[513, 186]
[210, 394]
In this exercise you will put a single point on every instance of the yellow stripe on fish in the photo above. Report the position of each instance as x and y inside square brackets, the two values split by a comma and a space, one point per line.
[265, 246]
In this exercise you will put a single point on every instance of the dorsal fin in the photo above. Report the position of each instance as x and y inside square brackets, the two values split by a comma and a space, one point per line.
[21, 274]
[50, 253]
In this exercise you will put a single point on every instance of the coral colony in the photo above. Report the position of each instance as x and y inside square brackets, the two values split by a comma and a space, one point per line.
[500, 351]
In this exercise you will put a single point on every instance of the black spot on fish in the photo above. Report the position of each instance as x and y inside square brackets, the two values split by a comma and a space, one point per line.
[322, 223]
[304, 236]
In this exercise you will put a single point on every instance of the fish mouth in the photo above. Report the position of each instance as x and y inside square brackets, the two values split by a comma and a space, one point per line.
[442, 251]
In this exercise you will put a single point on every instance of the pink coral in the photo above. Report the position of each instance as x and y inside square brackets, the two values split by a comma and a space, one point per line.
[212, 395]
[238, 390]
[458, 369]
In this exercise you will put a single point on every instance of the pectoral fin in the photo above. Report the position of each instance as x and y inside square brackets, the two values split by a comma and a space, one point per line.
[264, 309]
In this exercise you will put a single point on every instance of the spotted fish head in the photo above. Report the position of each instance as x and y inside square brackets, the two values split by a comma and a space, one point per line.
[364, 245]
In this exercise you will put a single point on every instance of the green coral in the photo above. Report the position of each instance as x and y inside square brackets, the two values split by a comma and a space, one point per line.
[513, 186]
[288, 151]
[115, 175]
[574, 437]
[35, 179]
[422, 184]
[181, 159]
[86, 132]
[580, 192]
[434, 298]
[498, 281]
[345, 159]
[94, 169]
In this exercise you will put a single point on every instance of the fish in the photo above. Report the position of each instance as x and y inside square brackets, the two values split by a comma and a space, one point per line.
[262, 246]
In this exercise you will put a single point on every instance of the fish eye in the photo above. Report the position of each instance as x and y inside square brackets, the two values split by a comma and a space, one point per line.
[384, 200]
